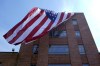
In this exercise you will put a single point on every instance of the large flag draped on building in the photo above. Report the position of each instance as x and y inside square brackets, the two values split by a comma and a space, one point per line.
[35, 25]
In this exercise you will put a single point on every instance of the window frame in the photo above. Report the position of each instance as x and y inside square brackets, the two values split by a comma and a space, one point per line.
[33, 64]
[81, 49]
[56, 47]
[0, 63]
[55, 34]
[85, 64]
[59, 64]
[77, 34]
[74, 22]
[35, 49]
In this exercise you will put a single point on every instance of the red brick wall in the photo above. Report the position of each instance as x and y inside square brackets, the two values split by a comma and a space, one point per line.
[90, 47]
[8, 58]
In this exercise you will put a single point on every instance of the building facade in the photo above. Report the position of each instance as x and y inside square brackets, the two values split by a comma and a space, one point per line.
[69, 44]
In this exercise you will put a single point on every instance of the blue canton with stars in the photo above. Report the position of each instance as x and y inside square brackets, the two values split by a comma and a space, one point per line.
[51, 14]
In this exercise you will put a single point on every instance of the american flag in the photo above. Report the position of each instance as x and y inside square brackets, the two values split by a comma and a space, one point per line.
[35, 25]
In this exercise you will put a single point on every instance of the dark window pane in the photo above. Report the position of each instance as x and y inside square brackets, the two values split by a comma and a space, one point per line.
[35, 49]
[33, 64]
[0, 64]
[57, 34]
[59, 65]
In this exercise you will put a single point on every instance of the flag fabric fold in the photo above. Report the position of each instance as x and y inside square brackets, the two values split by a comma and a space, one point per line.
[35, 25]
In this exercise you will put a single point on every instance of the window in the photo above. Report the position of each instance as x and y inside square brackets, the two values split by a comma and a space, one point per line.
[85, 64]
[77, 33]
[74, 21]
[81, 49]
[0, 64]
[33, 64]
[59, 65]
[58, 49]
[57, 34]
[35, 49]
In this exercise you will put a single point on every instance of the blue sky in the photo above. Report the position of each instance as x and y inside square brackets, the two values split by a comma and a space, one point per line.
[12, 11]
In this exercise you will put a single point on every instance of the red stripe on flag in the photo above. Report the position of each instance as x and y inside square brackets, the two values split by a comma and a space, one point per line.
[68, 15]
[36, 28]
[61, 17]
[26, 27]
[10, 32]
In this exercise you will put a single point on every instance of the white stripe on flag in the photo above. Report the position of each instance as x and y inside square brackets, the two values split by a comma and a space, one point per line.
[27, 32]
[65, 16]
[42, 28]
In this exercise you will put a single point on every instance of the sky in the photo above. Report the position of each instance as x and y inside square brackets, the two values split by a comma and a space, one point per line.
[12, 11]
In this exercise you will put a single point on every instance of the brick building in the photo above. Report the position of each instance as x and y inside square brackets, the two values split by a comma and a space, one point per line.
[69, 44]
